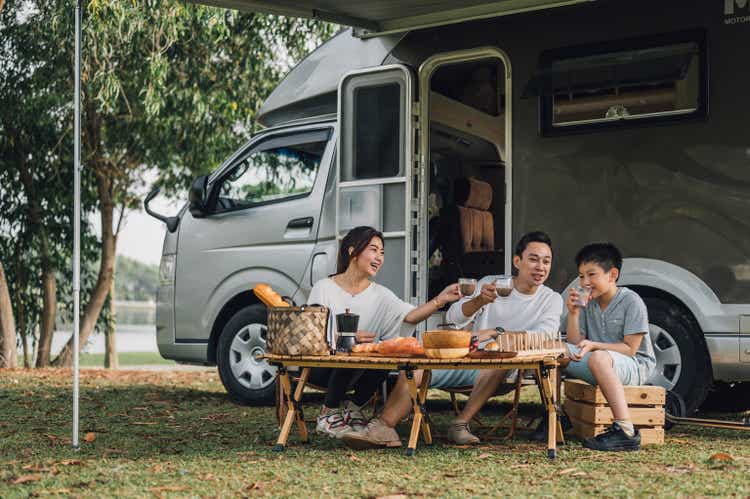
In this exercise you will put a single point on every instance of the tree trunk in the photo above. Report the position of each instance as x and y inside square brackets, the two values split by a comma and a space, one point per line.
[106, 270]
[49, 311]
[8, 348]
[110, 345]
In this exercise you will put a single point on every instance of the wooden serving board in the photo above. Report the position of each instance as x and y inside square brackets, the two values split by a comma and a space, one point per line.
[481, 354]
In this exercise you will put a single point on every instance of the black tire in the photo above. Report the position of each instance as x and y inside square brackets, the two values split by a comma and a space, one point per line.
[675, 326]
[726, 397]
[247, 381]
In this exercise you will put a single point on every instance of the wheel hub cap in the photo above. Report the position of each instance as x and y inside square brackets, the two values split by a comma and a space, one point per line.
[668, 358]
[248, 370]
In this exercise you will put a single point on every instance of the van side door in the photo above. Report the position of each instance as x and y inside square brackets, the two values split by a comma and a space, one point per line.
[377, 184]
[261, 226]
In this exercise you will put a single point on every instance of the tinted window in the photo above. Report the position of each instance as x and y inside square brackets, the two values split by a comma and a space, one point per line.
[271, 174]
[377, 128]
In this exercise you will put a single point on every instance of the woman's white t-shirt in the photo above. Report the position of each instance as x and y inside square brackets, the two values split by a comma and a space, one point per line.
[539, 312]
[380, 310]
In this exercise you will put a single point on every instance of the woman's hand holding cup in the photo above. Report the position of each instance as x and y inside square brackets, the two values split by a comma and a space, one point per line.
[448, 295]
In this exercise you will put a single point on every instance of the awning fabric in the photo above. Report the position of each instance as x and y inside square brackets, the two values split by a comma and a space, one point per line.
[378, 17]
[616, 69]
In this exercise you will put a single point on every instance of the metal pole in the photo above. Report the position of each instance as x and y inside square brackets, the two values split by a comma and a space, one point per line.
[77, 224]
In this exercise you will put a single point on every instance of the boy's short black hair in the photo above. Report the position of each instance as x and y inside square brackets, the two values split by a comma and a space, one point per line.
[531, 237]
[606, 255]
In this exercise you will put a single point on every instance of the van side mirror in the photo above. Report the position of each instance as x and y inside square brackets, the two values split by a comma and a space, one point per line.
[198, 197]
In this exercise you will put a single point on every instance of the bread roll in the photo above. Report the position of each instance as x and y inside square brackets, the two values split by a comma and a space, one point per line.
[492, 346]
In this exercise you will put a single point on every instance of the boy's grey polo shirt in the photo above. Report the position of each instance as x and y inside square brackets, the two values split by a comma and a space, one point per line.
[626, 314]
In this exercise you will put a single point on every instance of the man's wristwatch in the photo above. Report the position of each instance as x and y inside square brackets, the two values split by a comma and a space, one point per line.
[500, 330]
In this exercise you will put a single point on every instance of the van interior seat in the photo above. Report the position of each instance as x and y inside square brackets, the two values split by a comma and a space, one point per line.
[468, 232]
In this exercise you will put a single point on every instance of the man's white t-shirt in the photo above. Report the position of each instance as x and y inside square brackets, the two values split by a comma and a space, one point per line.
[539, 312]
[380, 310]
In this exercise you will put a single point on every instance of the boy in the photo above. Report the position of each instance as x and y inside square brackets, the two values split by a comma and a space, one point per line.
[608, 340]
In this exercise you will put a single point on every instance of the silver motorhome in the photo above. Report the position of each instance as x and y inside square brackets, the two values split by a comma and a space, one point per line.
[592, 121]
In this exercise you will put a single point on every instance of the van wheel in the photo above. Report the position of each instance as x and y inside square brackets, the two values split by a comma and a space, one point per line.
[682, 361]
[248, 381]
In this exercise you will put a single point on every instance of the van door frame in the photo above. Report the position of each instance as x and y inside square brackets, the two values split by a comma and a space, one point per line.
[426, 71]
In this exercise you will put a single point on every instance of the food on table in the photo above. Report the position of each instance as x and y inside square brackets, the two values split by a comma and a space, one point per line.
[394, 346]
[492, 346]
[268, 296]
[446, 338]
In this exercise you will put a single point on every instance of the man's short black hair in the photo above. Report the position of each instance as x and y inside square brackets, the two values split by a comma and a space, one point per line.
[531, 237]
[606, 255]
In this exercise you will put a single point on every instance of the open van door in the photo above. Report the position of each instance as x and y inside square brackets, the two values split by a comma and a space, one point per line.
[377, 183]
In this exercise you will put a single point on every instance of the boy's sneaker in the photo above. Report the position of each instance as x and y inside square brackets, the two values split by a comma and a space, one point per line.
[332, 423]
[353, 416]
[614, 439]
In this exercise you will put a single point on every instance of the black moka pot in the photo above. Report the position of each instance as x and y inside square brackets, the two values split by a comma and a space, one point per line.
[346, 324]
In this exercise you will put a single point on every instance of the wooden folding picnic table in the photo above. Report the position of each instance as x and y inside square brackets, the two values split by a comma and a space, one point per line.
[544, 365]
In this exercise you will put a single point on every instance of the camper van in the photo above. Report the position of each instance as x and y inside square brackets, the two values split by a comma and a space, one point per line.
[455, 131]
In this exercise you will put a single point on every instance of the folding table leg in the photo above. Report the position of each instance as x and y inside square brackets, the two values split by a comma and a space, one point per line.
[292, 401]
[426, 432]
[546, 385]
[418, 419]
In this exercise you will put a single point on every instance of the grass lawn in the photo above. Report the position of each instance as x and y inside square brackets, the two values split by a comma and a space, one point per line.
[126, 359]
[176, 434]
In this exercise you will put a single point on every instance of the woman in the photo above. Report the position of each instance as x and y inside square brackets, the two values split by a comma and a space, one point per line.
[382, 315]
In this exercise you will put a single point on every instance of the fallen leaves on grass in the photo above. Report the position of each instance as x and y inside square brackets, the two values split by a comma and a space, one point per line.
[567, 471]
[484, 456]
[89, 437]
[25, 479]
[70, 462]
[393, 496]
[720, 460]
[255, 486]
[354, 458]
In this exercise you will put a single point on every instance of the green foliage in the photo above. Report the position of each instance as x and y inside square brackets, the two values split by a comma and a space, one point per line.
[167, 86]
[136, 281]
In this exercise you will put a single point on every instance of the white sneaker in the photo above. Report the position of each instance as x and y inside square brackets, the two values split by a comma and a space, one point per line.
[332, 423]
[353, 416]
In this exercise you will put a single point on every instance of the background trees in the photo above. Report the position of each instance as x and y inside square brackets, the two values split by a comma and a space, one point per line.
[167, 86]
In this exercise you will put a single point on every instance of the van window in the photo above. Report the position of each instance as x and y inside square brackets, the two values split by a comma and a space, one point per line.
[593, 87]
[377, 132]
[279, 169]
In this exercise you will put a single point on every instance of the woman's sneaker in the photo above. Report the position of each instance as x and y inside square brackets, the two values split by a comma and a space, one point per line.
[353, 416]
[331, 422]
[614, 439]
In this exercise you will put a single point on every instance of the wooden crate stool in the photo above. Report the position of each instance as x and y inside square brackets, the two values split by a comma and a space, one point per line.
[590, 414]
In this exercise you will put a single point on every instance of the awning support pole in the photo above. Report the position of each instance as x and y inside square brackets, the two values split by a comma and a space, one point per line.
[77, 222]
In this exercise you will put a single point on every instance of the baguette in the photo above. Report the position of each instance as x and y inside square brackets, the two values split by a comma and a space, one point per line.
[268, 296]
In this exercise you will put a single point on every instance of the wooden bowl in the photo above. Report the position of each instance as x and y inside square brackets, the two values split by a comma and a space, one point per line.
[446, 338]
[446, 353]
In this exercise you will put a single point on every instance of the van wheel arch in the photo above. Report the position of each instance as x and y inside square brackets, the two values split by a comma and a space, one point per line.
[237, 303]
[670, 313]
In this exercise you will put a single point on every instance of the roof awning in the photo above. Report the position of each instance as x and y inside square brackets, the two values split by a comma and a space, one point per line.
[374, 18]
[616, 69]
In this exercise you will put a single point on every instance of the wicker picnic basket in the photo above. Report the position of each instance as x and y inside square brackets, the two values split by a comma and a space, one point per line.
[298, 330]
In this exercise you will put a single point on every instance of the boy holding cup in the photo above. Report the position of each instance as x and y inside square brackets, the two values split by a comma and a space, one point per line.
[608, 341]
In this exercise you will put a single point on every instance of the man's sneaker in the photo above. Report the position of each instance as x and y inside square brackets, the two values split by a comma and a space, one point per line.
[614, 439]
[458, 433]
[353, 416]
[375, 434]
[332, 423]
[540, 434]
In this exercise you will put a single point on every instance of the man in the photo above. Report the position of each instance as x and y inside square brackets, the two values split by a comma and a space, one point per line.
[531, 306]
